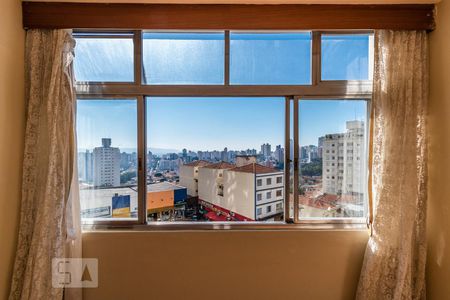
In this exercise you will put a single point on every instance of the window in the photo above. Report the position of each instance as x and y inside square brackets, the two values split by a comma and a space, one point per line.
[346, 196]
[227, 164]
[183, 58]
[347, 57]
[208, 119]
[96, 62]
[270, 58]
[107, 161]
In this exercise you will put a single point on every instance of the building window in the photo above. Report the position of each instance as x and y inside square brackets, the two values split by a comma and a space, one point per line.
[279, 206]
[173, 78]
[268, 208]
[259, 211]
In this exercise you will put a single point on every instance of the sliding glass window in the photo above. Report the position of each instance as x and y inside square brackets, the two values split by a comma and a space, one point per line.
[222, 127]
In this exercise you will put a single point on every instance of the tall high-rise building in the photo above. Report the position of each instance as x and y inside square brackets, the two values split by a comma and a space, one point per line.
[308, 153]
[266, 150]
[279, 154]
[320, 147]
[106, 161]
[344, 161]
[85, 166]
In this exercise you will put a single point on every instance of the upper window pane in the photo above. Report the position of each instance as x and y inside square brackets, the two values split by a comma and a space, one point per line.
[104, 59]
[270, 58]
[183, 58]
[333, 158]
[347, 57]
[107, 159]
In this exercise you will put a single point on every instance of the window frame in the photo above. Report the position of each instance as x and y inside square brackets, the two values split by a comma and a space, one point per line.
[318, 89]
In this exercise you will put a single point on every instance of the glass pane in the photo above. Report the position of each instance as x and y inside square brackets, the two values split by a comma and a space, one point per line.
[183, 58]
[347, 57]
[333, 158]
[107, 158]
[104, 59]
[215, 159]
[270, 58]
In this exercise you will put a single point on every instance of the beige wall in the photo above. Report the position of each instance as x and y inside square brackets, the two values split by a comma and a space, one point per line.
[11, 132]
[267, 265]
[438, 269]
[316, 265]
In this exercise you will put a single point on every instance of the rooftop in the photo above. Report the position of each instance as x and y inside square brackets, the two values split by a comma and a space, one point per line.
[163, 186]
[220, 165]
[256, 169]
[198, 163]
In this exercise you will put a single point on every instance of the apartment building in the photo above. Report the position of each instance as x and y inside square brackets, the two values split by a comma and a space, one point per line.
[189, 176]
[344, 160]
[244, 193]
[106, 160]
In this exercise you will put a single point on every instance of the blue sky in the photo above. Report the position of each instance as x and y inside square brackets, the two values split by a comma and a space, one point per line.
[215, 123]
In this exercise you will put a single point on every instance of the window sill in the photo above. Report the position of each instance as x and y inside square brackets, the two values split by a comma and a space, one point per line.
[231, 226]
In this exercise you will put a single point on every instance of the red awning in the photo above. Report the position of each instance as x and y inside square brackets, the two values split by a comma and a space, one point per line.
[212, 216]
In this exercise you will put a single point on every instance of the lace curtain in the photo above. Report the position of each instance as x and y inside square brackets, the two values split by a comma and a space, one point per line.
[49, 226]
[394, 263]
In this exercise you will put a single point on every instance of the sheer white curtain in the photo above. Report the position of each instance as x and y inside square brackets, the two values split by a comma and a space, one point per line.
[394, 263]
[49, 220]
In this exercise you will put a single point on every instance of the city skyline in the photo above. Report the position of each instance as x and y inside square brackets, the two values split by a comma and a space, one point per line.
[316, 119]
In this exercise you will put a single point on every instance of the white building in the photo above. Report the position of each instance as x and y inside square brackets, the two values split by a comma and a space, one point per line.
[169, 164]
[249, 192]
[189, 176]
[106, 161]
[344, 161]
